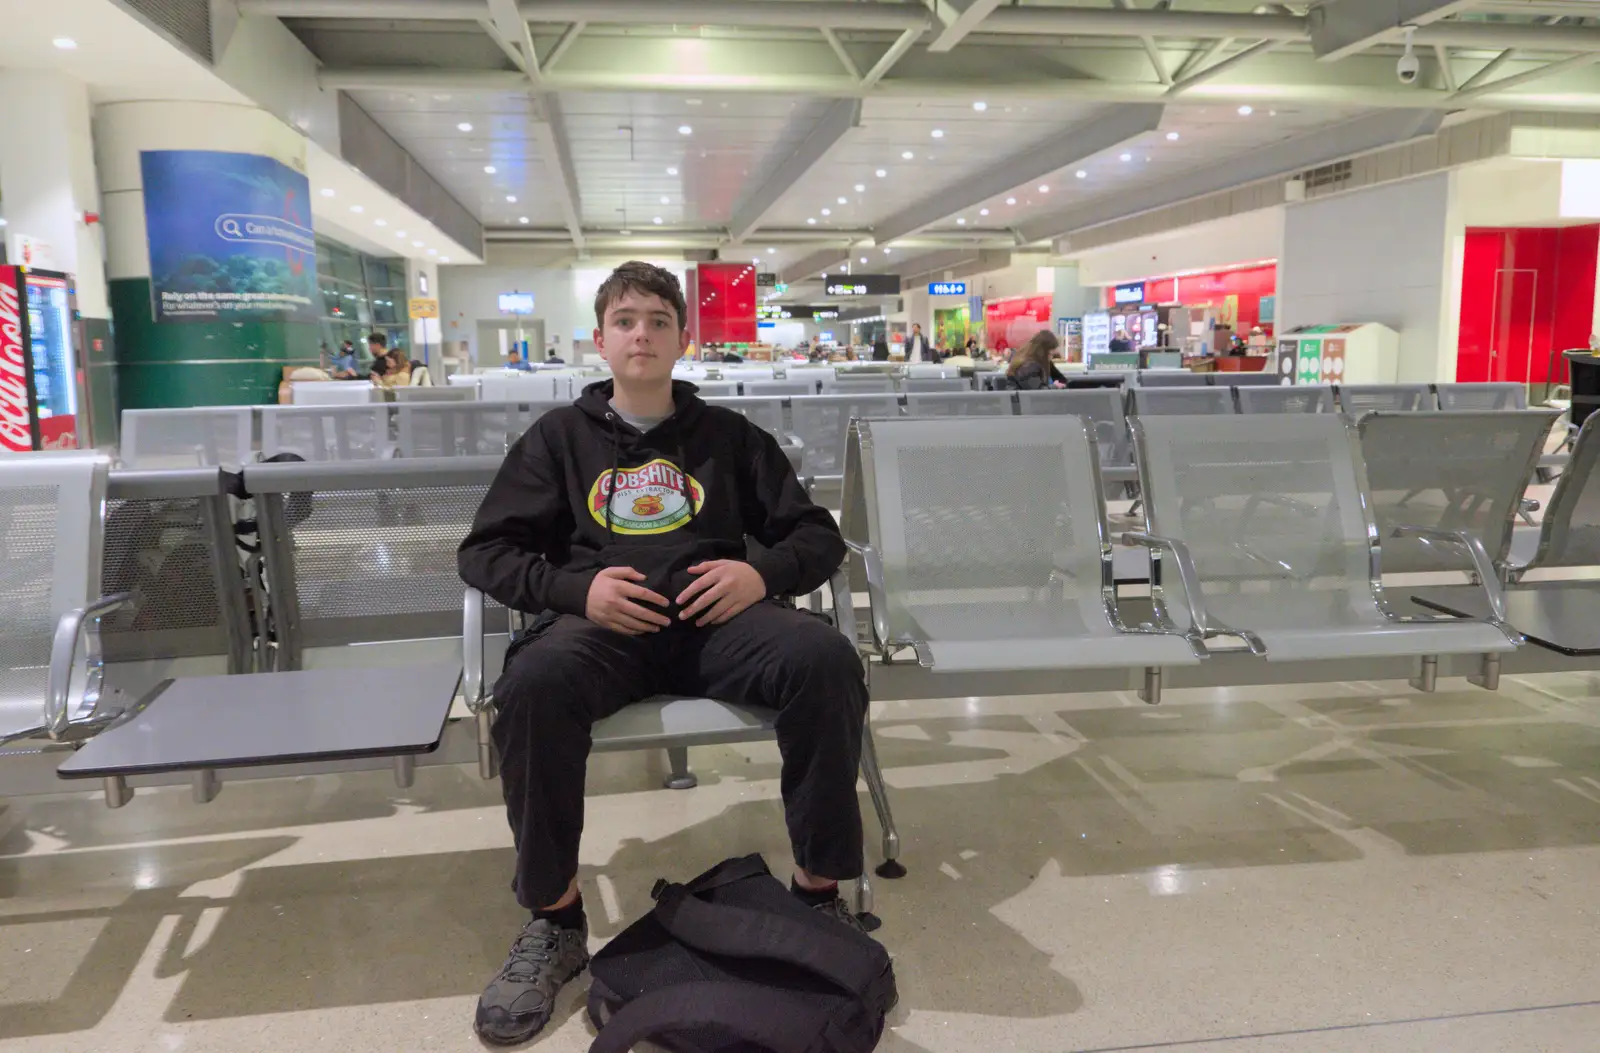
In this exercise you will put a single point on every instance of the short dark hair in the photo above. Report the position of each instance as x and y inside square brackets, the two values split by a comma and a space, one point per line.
[640, 277]
[379, 339]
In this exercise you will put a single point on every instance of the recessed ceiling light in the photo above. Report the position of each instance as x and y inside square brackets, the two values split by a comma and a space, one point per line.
[755, 259]
[522, 219]
[812, 220]
[886, 250]
[357, 208]
[656, 221]
[1172, 137]
[65, 43]
[771, 251]
[433, 252]
[684, 129]
[880, 173]
[666, 200]
[961, 221]
[938, 133]
[625, 233]
[511, 199]
[861, 188]
[1081, 174]
[399, 233]
[672, 171]
[1044, 188]
[416, 244]
[488, 169]
[907, 155]
[1011, 201]
[983, 212]
[1245, 111]
[980, 106]
[844, 201]
[464, 126]
[444, 259]
[327, 191]
[381, 222]
[1125, 157]
[1272, 113]
[863, 259]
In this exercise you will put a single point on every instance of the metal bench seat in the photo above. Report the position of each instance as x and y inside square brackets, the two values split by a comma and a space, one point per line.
[1267, 517]
[926, 501]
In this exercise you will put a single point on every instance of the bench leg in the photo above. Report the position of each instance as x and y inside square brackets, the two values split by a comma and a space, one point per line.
[488, 760]
[1427, 677]
[405, 770]
[117, 790]
[1489, 678]
[204, 785]
[1151, 692]
[873, 774]
[680, 777]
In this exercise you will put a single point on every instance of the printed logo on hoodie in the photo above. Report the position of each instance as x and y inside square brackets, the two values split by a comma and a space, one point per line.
[645, 500]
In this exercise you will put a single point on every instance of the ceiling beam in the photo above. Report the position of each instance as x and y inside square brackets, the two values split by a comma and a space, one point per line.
[511, 33]
[819, 262]
[569, 36]
[840, 118]
[1518, 79]
[555, 150]
[1488, 69]
[845, 60]
[1115, 125]
[956, 31]
[1359, 136]
[1343, 29]
[1447, 72]
[1151, 52]
[895, 53]
[1216, 69]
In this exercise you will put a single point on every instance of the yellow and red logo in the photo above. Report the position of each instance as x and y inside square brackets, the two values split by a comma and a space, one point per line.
[645, 500]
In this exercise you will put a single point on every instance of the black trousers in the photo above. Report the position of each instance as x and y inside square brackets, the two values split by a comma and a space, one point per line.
[573, 673]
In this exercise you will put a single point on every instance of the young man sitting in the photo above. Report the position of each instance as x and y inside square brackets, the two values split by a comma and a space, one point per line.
[624, 518]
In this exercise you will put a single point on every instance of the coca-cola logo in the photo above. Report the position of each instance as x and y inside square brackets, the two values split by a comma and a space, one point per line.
[15, 434]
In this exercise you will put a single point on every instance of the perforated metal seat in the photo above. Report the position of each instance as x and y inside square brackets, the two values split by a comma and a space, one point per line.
[206, 437]
[434, 394]
[1272, 515]
[1148, 402]
[335, 393]
[1488, 396]
[1356, 399]
[920, 385]
[926, 502]
[466, 429]
[779, 388]
[526, 387]
[765, 412]
[822, 423]
[326, 433]
[1260, 379]
[716, 389]
[871, 383]
[959, 404]
[1103, 408]
[1172, 378]
[1286, 398]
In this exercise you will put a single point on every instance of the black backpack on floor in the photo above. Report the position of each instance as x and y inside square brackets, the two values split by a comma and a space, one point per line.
[733, 962]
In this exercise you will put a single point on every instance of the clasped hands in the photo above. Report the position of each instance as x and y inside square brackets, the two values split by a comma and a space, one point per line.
[722, 588]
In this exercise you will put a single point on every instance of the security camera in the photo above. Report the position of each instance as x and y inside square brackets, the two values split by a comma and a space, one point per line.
[1409, 66]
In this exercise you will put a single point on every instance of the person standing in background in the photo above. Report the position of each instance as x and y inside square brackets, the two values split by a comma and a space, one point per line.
[880, 350]
[917, 345]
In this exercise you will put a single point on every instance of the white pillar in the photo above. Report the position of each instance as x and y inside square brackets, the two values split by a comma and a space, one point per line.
[47, 178]
[1389, 255]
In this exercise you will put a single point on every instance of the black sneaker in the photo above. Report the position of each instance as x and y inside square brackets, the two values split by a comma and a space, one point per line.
[838, 909]
[519, 1000]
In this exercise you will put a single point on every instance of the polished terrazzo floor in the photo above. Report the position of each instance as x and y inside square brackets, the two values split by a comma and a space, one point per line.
[1345, 867]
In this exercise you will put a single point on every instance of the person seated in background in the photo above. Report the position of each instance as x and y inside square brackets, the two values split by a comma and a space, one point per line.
[343, 366]
[1031, 368]
[514, 360]
[1120, 342]
[650, 588]
[732, 356]
[390, 369]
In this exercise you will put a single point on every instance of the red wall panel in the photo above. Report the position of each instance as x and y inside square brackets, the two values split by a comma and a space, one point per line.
[1011, 322]
[1526, 292]
[723, 310]
[1243, 289]
[1485, 249]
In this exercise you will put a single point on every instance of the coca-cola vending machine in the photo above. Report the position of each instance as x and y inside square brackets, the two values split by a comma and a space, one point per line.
[39, 376]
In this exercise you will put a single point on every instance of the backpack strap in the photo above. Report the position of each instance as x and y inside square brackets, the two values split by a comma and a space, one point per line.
[858, 965]
[773, 1020]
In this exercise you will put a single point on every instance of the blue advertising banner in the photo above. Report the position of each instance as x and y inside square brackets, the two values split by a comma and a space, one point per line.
[230, 238]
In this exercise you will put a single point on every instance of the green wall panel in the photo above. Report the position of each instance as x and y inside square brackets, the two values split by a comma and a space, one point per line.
[200, 363]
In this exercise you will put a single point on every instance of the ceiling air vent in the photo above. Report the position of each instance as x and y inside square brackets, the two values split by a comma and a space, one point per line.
[1328, 177]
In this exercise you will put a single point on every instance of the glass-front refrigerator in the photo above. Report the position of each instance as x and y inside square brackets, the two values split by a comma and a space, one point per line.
[38, 361]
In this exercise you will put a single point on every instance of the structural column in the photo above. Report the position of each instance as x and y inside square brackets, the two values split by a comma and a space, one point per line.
[48, 187]
[233, 356]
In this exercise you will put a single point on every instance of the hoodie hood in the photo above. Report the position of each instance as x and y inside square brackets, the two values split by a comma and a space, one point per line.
[595, 402]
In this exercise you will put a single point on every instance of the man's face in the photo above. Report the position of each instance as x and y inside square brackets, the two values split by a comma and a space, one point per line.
[375, 347]
[640, 338]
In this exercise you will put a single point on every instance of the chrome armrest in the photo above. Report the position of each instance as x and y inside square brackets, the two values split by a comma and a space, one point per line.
[64, 654]
[877, 592]
[1188, 576]
[1481, 564]
[1529, 504]
[472, 649]
[844, 610]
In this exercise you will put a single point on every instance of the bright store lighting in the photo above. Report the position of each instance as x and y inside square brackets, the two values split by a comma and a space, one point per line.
[416, 244]
[666, 200]
[381, 222]
[827, 212]
[980, 106]
[684, 129]
[656, 220]
[444, 259]
[1245, 111]
[1172, 137]
[983, 212]
[399, 233]
[489, 169]
[844, 201]
[433, 252]
[880, 173]
[861, 188]
[812, 220]
[1081, 174]
[938, 133]
[907, 155]
[511, 199]
[357, 208]
[65, 43]
[327, 191]
[886, 250]
[522, 219]
[961, 221]
[1011, 201]
[464, 126]
[672, 171]
[1125, 157]
[771, 252]
[1044, 188]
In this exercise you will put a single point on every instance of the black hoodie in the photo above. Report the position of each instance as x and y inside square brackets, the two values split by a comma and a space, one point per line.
[545, 527]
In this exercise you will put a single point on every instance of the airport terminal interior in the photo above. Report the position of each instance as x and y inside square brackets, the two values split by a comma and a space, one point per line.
[1205, 391]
